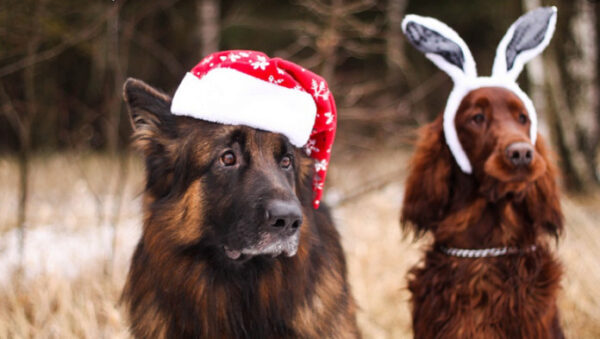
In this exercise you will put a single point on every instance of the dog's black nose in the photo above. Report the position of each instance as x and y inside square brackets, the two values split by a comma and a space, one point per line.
[283, 216]
[520, 153]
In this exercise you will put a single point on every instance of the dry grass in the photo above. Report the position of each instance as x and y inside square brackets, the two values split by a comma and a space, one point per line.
[53, 302]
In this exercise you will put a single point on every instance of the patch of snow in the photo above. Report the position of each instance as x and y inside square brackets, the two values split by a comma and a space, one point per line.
[52, 250]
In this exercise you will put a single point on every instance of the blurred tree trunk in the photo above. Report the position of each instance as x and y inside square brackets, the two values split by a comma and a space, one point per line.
[22, 127]
[113, 62]
[21, 120]
[118, 63]
[395, 56]
[26, 121]
[571, 88]
[208, 12]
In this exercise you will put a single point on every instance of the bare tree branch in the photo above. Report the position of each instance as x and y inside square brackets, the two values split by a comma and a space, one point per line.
[52, 52]
[369, 186]
[11, 114]
[161, 54]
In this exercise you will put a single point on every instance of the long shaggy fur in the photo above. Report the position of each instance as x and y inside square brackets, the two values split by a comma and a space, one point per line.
[511, 296]
[181, 284]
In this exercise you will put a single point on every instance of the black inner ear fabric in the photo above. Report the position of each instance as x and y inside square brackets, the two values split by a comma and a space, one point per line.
[430, 41]
[529, 33]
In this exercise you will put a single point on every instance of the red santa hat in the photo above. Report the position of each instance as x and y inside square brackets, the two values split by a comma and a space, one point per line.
[248, 88]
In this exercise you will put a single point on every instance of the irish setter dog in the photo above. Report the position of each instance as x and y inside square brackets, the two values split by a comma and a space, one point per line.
[489, 272]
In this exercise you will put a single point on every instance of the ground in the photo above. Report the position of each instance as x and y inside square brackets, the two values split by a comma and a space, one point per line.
[76, 259]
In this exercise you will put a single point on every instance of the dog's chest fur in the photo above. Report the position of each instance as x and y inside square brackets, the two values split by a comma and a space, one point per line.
[181, 296]
[505, 297]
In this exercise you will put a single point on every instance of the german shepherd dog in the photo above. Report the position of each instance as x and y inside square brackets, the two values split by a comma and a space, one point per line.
[231, 245]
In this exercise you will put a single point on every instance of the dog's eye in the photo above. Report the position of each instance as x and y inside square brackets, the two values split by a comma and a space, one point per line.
[285, 162]
[522, 118]
[479, 118]
[228, 158]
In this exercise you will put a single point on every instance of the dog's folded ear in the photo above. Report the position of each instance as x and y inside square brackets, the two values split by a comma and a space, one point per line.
[543, 202]
[149, 112]
[427, 191]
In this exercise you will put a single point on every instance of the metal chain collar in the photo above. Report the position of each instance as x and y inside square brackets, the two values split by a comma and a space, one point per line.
[485, 252]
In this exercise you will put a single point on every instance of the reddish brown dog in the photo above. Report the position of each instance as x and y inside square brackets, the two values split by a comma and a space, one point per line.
[204, 266]
[510, 199]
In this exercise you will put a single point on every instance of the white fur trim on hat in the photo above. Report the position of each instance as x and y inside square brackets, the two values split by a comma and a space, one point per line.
[228, 96]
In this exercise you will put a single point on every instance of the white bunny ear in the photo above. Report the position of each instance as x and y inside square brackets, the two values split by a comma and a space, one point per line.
[526, 38]
[441, 44]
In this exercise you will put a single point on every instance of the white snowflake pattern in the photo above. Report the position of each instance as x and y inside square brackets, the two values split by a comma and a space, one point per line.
[329, 117]
[319, 90]
[275, 81]
[261, 62]
[244, 54]
[318, 186]
[223, 58]
[207, 60]
[311, 147]
[234, 57]
[280, 71]
[299, 88]
[321, 165]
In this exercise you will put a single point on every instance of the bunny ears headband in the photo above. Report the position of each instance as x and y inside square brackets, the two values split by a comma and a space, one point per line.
[525, 39]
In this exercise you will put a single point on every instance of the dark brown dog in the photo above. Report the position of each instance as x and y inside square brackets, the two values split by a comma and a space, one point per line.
[231, 246]
[511, 199]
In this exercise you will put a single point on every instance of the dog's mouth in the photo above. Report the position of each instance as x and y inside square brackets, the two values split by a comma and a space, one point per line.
[268, 245]
[503, 180]
[231, 253]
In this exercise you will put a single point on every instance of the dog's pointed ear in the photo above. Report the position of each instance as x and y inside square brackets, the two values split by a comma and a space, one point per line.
[440, 44]
[154, 133]
[526, 38]
[427, 191]
[149, 112]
